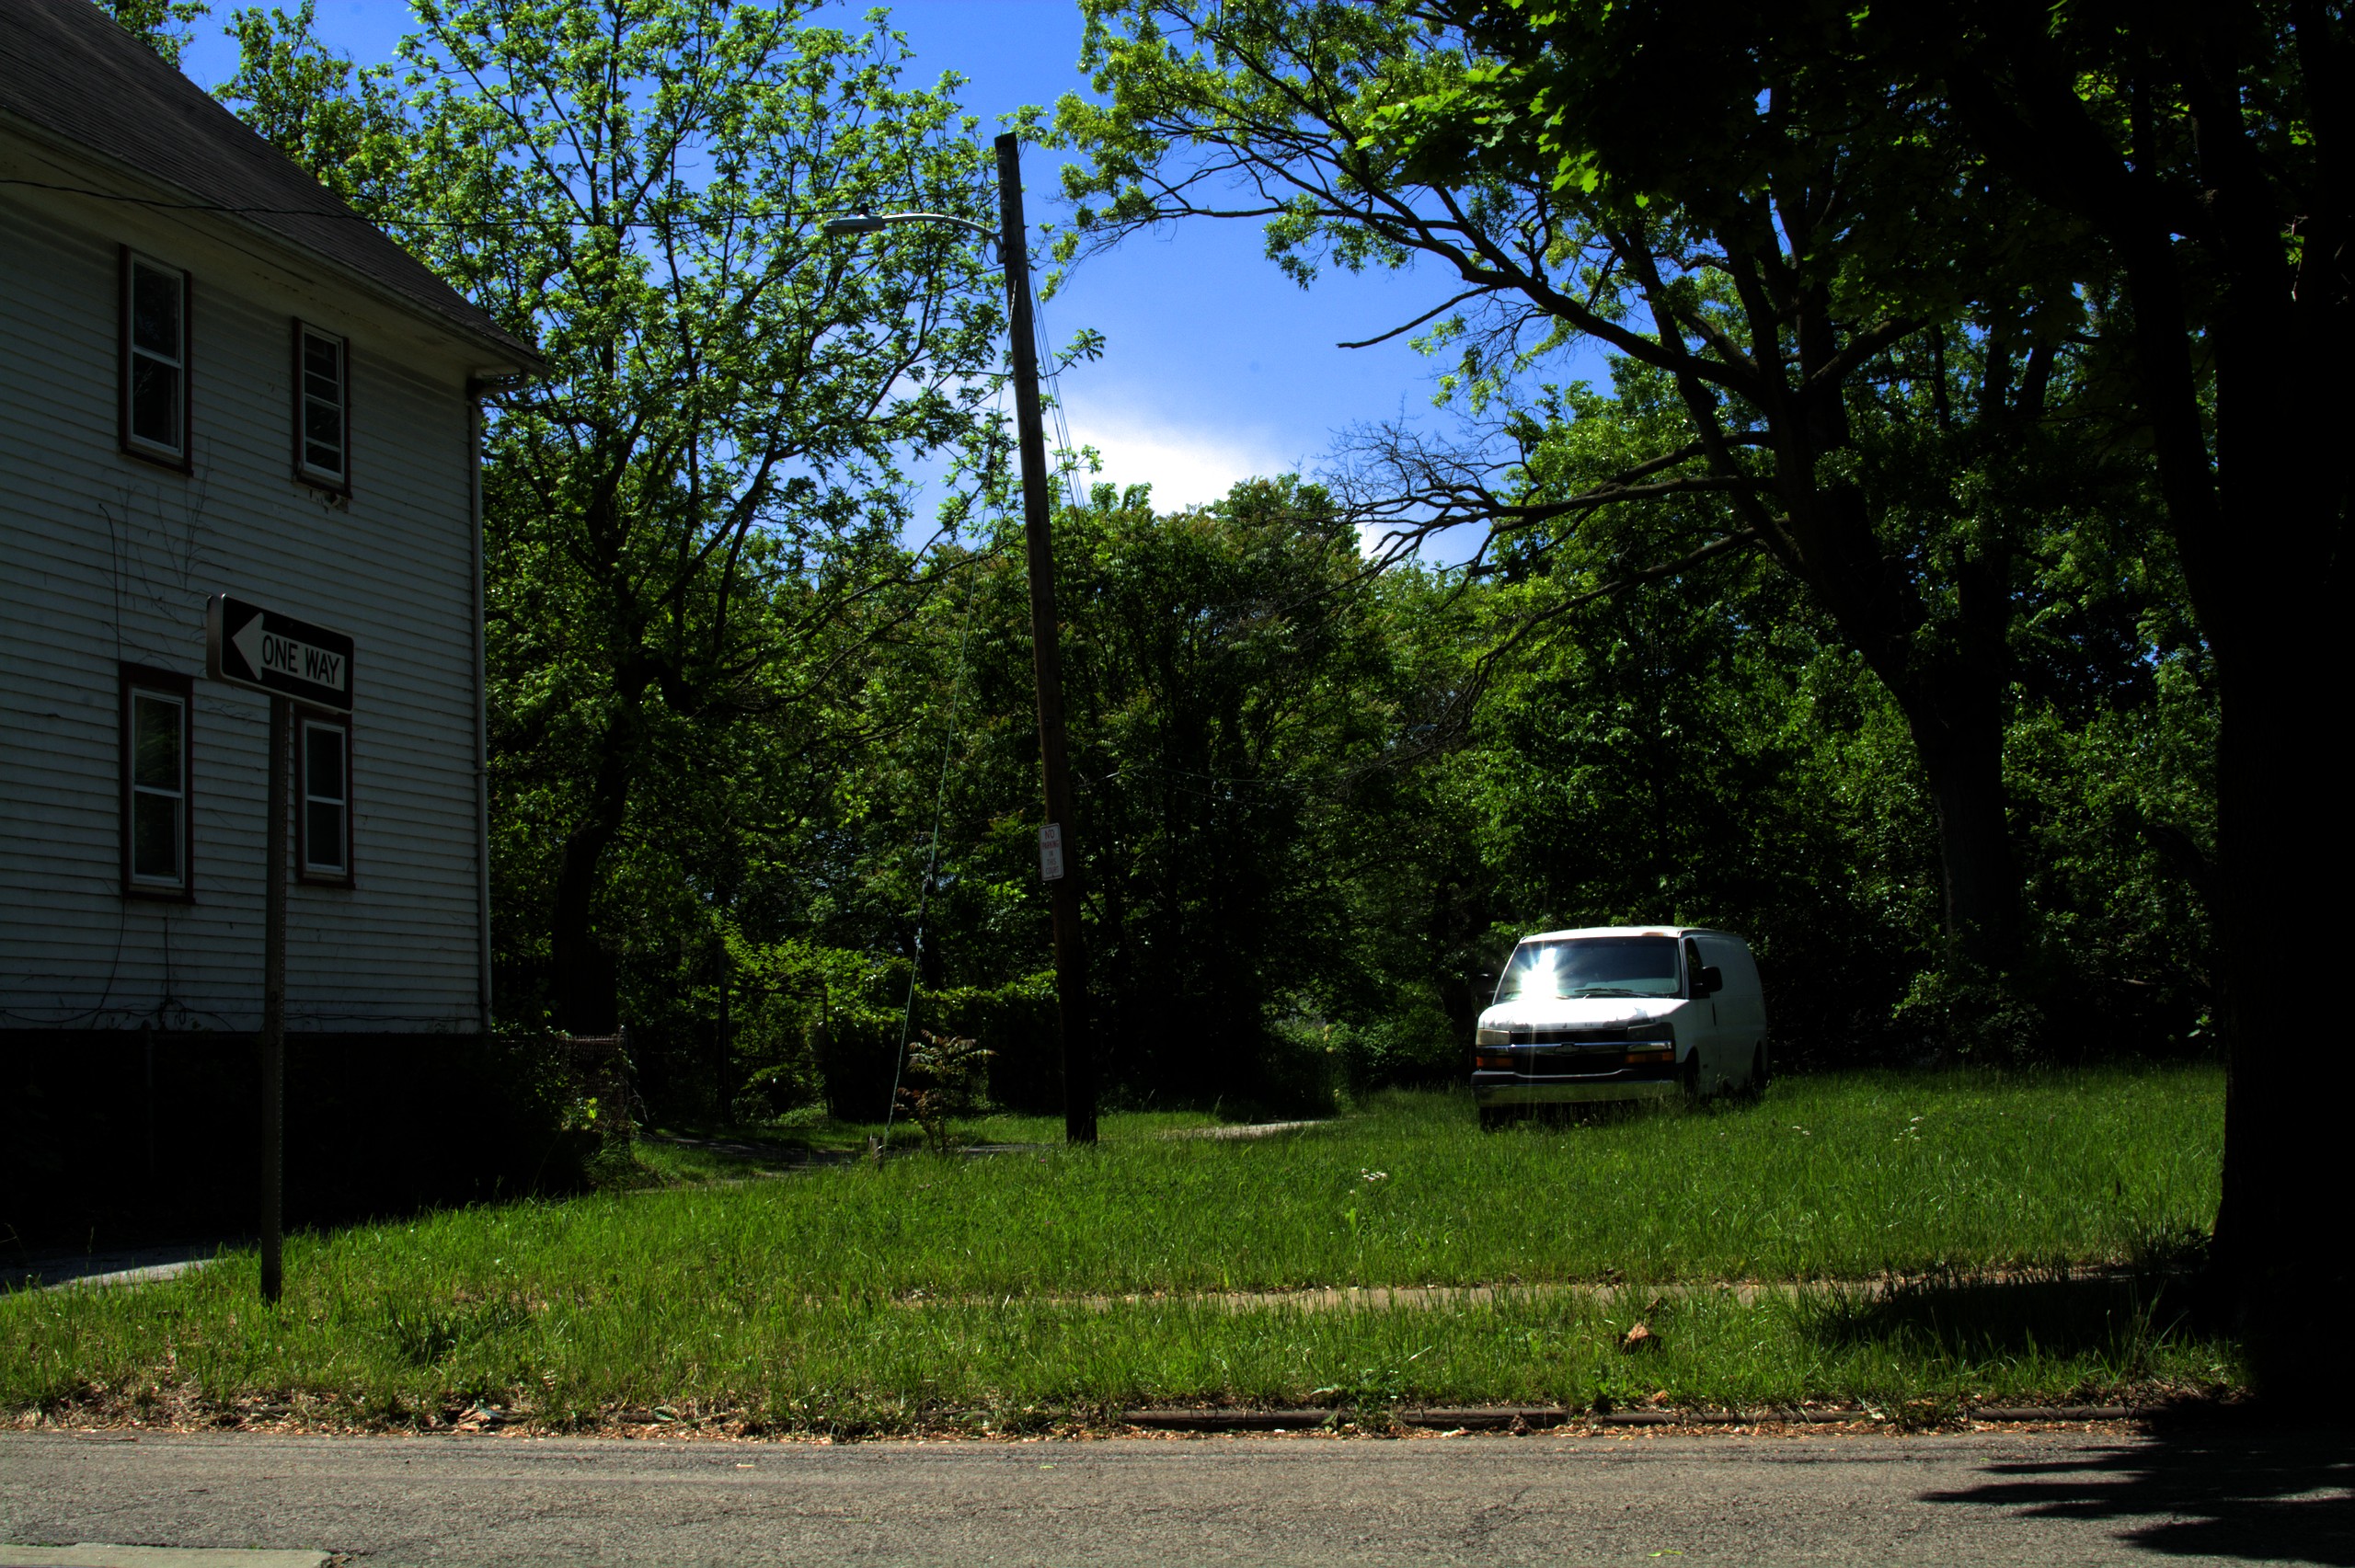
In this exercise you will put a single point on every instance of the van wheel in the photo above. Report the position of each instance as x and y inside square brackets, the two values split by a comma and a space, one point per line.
[1692, 1076]
[1759, 1075]
[1493, 1118]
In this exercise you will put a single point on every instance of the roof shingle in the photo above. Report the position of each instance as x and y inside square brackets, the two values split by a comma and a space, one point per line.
[68, 69]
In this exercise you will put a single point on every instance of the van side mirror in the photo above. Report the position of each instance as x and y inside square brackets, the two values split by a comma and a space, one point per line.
[1713, 979]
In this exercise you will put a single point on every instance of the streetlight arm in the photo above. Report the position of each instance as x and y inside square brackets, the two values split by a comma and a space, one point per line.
[875, 222]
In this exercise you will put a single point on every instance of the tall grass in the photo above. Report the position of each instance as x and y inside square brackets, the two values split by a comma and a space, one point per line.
[1827, 1178]
[850, 1364]
[865, 1296]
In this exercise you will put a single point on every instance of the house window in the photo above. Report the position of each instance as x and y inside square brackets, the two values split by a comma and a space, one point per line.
[323, 761]
[322, 397]
[154, 359]
[155, 779]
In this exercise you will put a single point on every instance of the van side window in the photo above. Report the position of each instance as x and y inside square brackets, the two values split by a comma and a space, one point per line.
[1693, 968]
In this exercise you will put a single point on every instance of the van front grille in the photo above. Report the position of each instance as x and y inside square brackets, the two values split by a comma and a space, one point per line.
[1609, 1034]
[1552, 1064]
[1646, 1059]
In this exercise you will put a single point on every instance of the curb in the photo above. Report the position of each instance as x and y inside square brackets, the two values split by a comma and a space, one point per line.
[1523, 1418]
[151, 1274]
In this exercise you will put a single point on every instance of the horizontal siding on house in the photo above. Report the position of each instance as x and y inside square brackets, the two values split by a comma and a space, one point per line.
[110, 558]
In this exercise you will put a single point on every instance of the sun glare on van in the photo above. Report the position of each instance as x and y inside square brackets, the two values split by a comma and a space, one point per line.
[1591, 966]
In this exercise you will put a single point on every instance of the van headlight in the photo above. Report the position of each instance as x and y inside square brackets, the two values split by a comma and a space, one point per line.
[1661, 1031]
[1486, 1036]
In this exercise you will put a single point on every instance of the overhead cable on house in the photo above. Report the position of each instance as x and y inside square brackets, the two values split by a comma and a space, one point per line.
[405, 221]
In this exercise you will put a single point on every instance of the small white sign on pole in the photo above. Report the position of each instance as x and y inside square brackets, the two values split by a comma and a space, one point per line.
[1051, 853]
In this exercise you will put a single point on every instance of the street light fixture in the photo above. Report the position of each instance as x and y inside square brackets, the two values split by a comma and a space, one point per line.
[875, 222]
[1058, 850]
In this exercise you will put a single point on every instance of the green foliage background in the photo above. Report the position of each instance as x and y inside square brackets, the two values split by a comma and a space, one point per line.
[764, 755]
[1315, 811]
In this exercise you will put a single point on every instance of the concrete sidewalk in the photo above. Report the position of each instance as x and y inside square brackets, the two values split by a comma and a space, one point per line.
[112, 1266]
[1986, 1498]
[87, 1555]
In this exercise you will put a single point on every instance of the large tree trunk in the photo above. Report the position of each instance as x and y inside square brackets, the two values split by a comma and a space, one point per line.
[2261, 533]
[584, 988]
[1957, 708]
[2281, 1233]
[1954, 700]
[2276, 620]
[1955, 712]
[1956, 722]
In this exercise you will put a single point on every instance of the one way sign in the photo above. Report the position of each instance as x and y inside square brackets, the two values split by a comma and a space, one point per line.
[248, 646]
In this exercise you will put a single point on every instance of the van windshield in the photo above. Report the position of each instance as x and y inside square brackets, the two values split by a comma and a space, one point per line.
[1591, 966]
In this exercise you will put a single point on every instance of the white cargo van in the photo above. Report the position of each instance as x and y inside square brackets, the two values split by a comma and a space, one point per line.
[1620, 1013]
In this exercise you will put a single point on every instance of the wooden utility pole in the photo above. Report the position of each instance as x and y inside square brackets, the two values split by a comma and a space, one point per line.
[1059, 850]
[273, 997]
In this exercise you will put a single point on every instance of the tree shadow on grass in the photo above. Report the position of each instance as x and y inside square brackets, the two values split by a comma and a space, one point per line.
[2119, 1316]
[2230, 1489]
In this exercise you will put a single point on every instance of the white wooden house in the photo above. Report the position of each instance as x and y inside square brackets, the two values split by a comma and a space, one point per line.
[214, 378]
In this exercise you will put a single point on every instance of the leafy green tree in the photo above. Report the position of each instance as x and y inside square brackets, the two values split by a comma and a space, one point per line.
[1309, 837]
[1708, 749]
[1242, 696]
[1820, 390]
[1226, 683]
[161, 24]
[2208, 147]
[341, 122]
[692, 513]
[1315, 796]
[2198, 153]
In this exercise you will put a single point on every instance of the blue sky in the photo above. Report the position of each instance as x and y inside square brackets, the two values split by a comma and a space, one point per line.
[1216, 368]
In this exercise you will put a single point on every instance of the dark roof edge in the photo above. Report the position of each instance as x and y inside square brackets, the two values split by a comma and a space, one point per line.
[514, 355]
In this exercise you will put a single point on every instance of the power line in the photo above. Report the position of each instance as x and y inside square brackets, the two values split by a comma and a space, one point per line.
[932, 857]
[1043, 341]
[410, 221]
[931, 871]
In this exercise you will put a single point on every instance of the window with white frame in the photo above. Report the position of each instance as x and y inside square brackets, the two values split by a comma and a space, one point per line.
[156, 780]
[155, 358]
[322, 402]
[324, 756]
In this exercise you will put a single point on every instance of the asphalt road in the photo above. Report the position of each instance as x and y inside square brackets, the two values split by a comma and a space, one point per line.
[1988, 1498]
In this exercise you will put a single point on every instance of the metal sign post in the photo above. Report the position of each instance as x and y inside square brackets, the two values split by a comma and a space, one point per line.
[273, 1001]
[265, 651]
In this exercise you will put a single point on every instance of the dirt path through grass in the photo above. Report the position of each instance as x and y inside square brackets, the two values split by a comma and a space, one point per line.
[1606, 1294]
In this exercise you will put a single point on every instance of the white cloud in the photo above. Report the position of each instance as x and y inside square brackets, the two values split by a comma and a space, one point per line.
[1189, 467]
[1186, 466]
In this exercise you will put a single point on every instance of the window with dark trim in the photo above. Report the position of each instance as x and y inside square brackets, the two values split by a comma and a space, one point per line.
[156, 782]
[322, 408]
[154, 417]
[323, 798]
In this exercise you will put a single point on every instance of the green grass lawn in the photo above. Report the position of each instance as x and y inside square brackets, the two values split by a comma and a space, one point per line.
[685, 1154]
[991, 1289]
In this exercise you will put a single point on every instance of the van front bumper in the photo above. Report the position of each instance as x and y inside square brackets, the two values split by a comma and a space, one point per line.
[1512, 1088]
